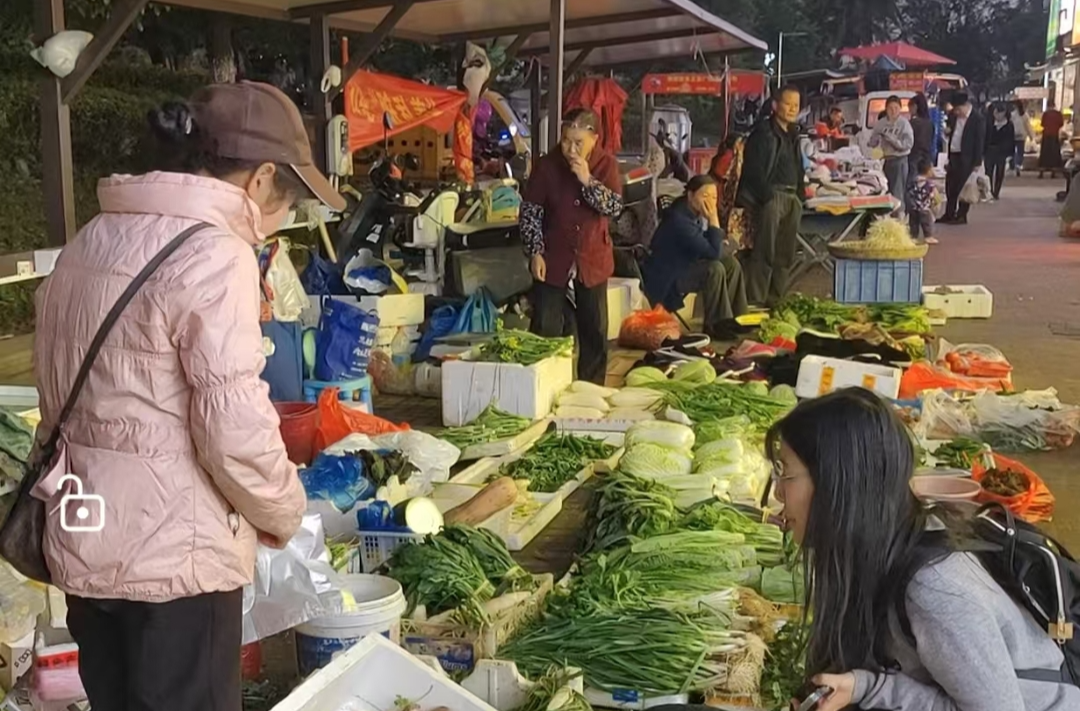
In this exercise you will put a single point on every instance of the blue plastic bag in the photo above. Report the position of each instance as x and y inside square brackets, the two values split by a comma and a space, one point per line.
[479, 315]
[344, 341]
[339, 480]
[439, 325]
[322, 277]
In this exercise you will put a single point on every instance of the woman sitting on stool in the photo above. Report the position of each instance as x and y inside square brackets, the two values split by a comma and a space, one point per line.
[690, 254]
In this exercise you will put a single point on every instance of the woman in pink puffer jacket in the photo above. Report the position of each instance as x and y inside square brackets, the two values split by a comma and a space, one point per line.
[174, 429]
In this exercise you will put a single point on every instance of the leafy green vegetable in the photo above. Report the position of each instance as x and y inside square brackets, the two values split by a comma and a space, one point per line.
[722, 400]
[442, 575]
[491, 426]
[554, 460]
[522, 347]
[653, 461]
[628, 506]
[784, 585]
[785, 667]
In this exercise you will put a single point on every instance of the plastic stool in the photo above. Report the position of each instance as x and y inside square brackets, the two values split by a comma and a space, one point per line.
[348, 390]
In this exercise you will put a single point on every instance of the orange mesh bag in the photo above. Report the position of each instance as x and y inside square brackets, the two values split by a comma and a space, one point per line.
[647, 330]
[1034, 505]
[336, 421]
[925, 376]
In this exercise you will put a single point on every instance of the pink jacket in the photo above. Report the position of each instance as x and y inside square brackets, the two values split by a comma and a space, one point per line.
[174, 429]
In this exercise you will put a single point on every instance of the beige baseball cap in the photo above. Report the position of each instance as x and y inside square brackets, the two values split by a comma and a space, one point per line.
[258, 122]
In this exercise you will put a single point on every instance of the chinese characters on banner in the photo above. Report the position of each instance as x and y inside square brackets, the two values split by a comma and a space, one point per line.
[700, 84]
[746, 83]
[409, 104]
[907, 81]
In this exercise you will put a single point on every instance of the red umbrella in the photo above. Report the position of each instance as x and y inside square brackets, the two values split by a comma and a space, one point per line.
[909, 54]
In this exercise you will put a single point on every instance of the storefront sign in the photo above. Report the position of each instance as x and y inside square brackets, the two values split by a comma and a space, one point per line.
[1052, 28]
[699, 84]
[746, 83]
[907, 81]
[1065, 18]
[1030, 93]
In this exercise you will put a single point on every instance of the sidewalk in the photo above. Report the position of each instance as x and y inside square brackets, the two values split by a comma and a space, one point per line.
[1012, 247]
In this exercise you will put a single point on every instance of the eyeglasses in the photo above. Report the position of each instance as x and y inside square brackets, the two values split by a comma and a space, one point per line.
[778, 475]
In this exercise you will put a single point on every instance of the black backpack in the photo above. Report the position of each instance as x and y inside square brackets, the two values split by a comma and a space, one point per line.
[1041, 576]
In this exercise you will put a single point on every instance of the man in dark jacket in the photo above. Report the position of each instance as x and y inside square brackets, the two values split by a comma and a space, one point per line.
[966, 142]
[689, 255]
[564, 226]
[771, 189]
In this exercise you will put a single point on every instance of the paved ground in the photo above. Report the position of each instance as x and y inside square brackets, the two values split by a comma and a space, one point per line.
[1012, 247]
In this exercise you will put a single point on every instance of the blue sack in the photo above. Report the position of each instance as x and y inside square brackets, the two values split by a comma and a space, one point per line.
[339, 480]
[439, 325]
[344, 341]
[321, 277]
[284, 369]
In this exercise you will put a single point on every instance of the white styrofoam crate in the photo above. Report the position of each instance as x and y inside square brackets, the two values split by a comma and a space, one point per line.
[372, 675]
[500, 684]
[970, 301]
[523, 530]
[630, 699]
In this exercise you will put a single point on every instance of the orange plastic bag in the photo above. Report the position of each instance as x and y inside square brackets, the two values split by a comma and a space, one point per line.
[1034, 505]
[924, 376]
[647, 330]
[336, 421]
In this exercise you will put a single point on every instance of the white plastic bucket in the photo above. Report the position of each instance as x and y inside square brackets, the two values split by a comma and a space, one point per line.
[380, 603]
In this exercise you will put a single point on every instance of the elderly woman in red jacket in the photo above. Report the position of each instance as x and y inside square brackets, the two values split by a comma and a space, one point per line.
[564, 225]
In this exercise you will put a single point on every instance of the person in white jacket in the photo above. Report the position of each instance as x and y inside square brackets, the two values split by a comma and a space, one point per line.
[894, 135]
[1024, 132]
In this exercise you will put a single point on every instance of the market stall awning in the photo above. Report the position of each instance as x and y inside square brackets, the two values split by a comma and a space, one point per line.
[614, 31]
[900, 52]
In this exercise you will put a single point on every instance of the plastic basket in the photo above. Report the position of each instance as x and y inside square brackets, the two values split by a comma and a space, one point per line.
[878, 281]
[375, 548]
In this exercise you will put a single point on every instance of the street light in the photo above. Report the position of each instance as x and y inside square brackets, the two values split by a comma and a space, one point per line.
[780, 55]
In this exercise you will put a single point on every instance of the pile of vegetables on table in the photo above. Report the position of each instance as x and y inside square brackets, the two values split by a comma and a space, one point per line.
[797, 312]
[524, 348]
[586, 401]
[555, 459]
[491, 425]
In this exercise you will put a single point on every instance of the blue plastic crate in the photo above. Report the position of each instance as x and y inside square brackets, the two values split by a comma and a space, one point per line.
[865, 281]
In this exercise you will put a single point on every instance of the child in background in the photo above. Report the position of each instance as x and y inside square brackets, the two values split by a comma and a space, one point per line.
[923, 199]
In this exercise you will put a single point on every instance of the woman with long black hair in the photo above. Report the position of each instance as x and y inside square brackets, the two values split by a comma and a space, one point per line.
[874, 555]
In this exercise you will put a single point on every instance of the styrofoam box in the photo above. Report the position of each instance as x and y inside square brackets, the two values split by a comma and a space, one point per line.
[630, 699]
[624, 296]
[468, 387]
[396, 309]
[500, 684]
[820, 376]
[973, 301]
[371, 676]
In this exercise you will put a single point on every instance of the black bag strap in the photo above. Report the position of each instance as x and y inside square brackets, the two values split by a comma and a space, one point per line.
[106, 326]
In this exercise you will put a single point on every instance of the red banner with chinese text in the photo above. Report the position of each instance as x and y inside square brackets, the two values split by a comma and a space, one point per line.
[699, 84]
[907, 81]
[463, 145]
[409, 103]
[746, 83]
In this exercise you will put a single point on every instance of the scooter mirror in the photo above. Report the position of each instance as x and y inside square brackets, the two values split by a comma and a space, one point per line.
[387, 121]
[412, 162]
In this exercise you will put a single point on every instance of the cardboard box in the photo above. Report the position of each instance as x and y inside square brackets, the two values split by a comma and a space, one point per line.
[396, 309]
[16, 659]
[529, 391]
[820, 376]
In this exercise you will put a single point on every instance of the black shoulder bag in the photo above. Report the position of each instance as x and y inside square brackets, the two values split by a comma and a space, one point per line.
[22, 534]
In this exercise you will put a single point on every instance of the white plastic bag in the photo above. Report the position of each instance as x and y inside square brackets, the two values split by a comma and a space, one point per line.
[289, 298]
[1034, 421]
[970, 192]
[944, 417]
[20, 605]
[292, 585]
[60, 52]
[431, 455]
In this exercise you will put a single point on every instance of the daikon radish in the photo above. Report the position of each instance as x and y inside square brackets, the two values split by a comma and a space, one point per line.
[490, 500]
[589, 400]
[587, 388]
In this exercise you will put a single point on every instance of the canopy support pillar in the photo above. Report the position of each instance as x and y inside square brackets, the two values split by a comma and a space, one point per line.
[371, 42]
[123, 14]
[536, 110]
[557, 35]
[57, 180]
[319, 26]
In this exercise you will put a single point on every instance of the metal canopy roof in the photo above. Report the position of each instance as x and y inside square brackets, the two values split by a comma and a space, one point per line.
[613, 31]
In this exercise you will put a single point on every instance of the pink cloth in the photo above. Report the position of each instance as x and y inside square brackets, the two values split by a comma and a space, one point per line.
[174, 428]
